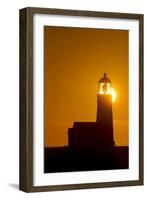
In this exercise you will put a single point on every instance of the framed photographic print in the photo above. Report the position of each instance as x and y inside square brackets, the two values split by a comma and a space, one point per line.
[81, 99]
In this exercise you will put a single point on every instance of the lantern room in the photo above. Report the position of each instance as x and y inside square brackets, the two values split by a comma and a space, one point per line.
[104, 85]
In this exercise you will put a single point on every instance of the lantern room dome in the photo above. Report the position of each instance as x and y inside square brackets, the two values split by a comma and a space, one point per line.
[105, 79]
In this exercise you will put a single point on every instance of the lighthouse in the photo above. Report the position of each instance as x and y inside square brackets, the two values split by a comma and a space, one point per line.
[104, 115]
[95, 137]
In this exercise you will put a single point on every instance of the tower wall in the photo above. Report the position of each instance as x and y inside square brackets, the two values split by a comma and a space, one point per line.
[104, 115]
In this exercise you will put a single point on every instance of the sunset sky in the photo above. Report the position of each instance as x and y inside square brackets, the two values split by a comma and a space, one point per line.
[74, 61]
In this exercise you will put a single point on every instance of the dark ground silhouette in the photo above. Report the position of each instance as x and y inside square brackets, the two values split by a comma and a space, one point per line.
[63, 159]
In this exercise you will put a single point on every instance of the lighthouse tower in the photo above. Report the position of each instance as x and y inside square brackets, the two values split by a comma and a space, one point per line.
[104, 109]
[95, 138]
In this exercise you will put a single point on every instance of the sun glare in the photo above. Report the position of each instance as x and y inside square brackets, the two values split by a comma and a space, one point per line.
[113, 93]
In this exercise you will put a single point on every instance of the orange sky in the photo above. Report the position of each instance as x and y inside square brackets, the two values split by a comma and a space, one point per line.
[74, 60]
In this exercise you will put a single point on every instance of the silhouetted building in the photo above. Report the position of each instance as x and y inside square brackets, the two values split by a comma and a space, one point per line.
[95, 137]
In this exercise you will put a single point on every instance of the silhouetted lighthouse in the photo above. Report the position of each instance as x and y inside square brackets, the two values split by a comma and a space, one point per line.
[95, 137]
[104, 108]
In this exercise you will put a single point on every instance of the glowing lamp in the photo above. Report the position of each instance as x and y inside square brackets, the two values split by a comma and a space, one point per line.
[105, 87]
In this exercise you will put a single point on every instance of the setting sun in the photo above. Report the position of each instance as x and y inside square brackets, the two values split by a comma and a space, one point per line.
[113, 93]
